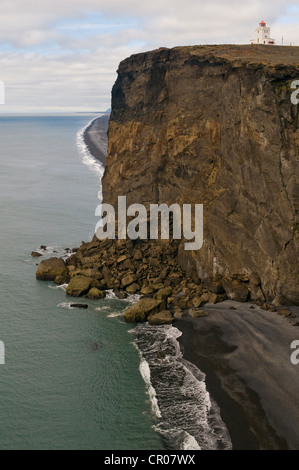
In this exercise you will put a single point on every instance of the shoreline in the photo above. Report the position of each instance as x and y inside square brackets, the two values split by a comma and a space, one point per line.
[255, 387]
[95, 138]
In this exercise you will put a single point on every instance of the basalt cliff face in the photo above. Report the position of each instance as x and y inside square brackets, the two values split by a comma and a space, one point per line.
[215, 125]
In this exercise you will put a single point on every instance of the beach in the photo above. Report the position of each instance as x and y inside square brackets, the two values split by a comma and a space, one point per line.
[95, 137]
[245, 354]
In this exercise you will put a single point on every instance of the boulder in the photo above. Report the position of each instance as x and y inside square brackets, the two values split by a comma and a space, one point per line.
[128, 265]
[214, 285]
[138, 255]
[197, 313]
[95, 294]
[268, 307]
[140, 311]
[285, 312]
[119, 294]
[79, 286]
[82, 306]
[147, 290]
[35, 254]
[121, 259]
[62, 279]
[178, 313]
[235, 290]
[217, 298]
[133, 288]
[163, 294]
[161, 318]
[128, 280]
[50, 269]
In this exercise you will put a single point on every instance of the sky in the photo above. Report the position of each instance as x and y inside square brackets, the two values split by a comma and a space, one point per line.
[62, 55]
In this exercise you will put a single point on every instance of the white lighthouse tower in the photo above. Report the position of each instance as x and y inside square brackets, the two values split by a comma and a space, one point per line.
[262, 35]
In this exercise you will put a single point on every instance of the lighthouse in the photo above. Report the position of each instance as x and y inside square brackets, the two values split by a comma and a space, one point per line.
[262, 35]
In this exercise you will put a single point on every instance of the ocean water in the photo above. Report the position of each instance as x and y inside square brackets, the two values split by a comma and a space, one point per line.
[80, 379]
[71, 378]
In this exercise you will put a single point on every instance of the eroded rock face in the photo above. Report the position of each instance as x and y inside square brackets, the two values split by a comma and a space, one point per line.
[215, 125]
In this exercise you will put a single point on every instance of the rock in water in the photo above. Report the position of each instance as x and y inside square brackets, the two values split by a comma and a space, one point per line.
[50, 269]
[95, 294]
[78, 286]
[35, 254]
[81, 306]
[140, 311]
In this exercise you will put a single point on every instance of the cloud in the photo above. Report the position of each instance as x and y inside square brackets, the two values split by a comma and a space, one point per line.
[65, 53]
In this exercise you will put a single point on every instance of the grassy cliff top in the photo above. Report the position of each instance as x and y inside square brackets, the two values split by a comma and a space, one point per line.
[236, 54]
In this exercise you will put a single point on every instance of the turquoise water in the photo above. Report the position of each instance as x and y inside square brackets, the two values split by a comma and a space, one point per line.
[71, 378]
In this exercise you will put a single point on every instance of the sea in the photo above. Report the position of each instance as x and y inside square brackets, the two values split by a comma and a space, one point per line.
[80, 379]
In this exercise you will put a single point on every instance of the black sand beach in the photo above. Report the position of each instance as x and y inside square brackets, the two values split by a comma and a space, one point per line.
[245, 354]
[96, 139]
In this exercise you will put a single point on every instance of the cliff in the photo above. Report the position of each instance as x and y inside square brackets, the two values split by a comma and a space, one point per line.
[215, 125]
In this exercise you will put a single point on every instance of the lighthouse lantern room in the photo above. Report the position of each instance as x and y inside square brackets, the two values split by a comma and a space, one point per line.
[262, 35]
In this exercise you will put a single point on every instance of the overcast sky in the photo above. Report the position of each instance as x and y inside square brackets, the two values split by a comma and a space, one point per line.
[62, 55]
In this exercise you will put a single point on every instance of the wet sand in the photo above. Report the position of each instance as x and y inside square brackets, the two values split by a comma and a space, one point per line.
[245, 354]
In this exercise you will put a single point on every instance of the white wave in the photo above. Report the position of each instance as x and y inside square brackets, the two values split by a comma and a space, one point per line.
[146, 375]
[190, 443]
[190, 419]
[91, 162]
[110, 295]
[65, 305]
[115, 315]
[100, 309]
[63, 287]
[132, 298]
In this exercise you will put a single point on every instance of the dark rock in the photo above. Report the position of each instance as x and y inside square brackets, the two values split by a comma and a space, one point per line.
[50, 269]
[82, 306]
[235, 290]
[285, 312]
[161, 318]
[35, 254]
[95, 294]
[133, 288]
[120, 294]
[217, 298]
[163, 294]
[197, 313]
[128, 280]
[79, 286]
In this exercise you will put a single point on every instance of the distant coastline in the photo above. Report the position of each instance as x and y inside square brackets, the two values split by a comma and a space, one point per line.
[95, 137]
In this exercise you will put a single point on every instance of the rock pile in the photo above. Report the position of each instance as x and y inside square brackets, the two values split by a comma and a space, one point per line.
[148, 268]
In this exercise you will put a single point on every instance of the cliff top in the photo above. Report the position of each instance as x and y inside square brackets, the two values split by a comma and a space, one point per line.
[236, 54]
